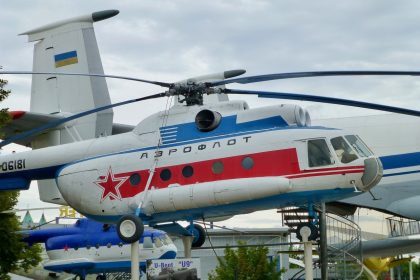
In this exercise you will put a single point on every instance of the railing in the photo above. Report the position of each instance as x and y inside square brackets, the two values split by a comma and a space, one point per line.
[402, 227]
[344, 245]
[344, 248]
[118, 276]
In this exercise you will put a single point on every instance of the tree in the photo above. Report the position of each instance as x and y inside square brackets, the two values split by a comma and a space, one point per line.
[14, 254]
[246, 263]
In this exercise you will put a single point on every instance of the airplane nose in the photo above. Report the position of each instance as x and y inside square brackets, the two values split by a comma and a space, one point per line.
[373, 173]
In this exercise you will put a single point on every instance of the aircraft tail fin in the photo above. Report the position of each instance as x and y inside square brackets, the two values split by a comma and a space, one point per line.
[68, 46]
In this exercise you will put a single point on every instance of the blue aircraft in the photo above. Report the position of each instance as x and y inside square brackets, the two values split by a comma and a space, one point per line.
[90, 247]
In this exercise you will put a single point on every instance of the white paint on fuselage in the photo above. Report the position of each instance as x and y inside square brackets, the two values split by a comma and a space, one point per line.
[114, 253]
[388, 134]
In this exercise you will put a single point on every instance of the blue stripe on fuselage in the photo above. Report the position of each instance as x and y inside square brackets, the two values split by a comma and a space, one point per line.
[228, 125]
[400, 161]
[32, 174]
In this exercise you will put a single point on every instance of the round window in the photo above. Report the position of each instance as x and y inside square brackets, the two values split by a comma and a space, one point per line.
[135, 179]
[247, 163]
[217, 167]
[187, 171]
[165, 174]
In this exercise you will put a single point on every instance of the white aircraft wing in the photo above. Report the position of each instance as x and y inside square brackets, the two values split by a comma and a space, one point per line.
[391, 246]
[396, 140]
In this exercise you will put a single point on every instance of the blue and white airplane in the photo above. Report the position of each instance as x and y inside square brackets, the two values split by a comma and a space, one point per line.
[89, 247]
[206, 157]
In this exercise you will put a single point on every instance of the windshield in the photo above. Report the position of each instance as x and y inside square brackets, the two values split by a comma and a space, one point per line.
[343, 150]
[358, 145]
[166, 240]
[157, 241]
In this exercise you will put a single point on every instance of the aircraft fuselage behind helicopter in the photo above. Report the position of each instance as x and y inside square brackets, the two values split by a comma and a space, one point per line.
[229, 160]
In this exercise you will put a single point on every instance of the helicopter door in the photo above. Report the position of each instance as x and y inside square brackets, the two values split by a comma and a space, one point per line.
[317, 156]
[314, 154]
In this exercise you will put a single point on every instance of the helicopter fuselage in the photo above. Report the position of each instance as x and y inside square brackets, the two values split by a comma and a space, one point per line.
[171, 168]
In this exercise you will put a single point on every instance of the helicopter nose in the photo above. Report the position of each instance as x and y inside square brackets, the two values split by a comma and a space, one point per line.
[373, 173]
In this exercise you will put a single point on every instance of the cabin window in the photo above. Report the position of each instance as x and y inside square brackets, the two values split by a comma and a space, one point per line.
[97, 246]
[147, 242]
[88, 246]
[135, 179]
[120, 244]
[358, 145]
[247, 163]
[165, 174]
[108, 245]
[187, 171]
[318, 153]
[217, 167]
[343, 150]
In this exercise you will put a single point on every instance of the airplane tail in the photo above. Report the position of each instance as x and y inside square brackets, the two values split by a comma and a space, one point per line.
[68, 46]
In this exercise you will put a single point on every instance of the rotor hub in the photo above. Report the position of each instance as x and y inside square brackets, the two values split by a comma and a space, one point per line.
[192, 92]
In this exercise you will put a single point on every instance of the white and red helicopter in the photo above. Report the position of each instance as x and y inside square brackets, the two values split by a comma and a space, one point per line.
[205, 157]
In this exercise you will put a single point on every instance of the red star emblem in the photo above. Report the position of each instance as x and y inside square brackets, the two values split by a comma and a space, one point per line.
[66, 248]
[110, 185]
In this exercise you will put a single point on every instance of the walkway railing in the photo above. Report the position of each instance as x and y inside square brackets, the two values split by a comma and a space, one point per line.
[343, 237]
[344, 244]
[402, 227]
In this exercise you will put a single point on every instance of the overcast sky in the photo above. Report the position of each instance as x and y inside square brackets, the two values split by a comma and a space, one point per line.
[174, 40]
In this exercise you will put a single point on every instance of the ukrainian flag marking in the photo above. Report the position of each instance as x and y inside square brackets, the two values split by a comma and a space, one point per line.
[64, 59]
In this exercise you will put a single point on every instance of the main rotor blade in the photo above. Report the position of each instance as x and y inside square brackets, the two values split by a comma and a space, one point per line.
[162, 84]
[293, 75]
[322, 99]
[55, 123]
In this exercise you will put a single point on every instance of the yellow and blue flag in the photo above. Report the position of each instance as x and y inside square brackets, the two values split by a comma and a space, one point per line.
[66, 58]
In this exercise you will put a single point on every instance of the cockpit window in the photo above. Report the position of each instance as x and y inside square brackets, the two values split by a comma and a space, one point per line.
[166, 240]
[358, 145]
[157, 242]
[318, 153]
[344, 152]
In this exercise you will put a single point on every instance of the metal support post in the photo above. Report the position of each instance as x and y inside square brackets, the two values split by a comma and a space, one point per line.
[305, 232]
[410, 267]
[323, 242]
[135, 270]
[187, 242]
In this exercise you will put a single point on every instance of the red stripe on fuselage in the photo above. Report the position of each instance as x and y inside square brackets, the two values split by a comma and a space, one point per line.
[272, 163]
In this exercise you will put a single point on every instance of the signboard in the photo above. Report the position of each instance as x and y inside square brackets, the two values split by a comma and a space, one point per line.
[68, 212]
[174, 269]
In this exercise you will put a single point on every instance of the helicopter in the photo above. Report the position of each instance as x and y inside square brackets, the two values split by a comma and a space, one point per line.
[205, 157]
[89, 247]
